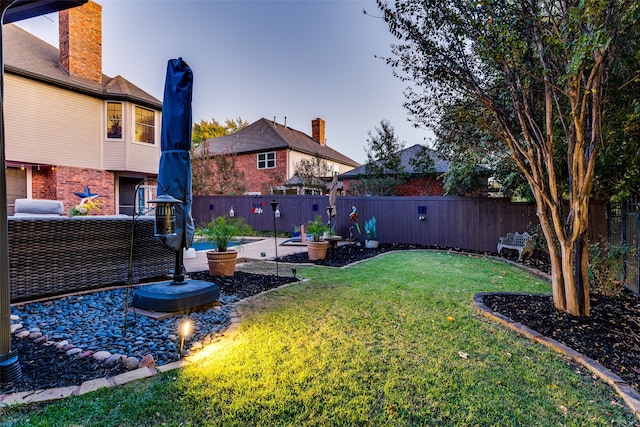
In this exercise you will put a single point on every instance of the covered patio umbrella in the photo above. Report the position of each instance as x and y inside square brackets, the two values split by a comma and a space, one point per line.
[174, 172]
[174, 179]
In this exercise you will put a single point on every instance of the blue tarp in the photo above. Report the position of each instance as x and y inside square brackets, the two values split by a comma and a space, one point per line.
[174, 173]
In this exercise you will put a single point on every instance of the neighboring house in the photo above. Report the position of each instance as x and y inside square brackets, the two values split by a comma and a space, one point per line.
[296, 185]
[67, 125]
[417, 184]
[268, 152]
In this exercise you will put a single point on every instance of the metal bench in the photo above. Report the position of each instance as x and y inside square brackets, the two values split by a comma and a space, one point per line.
[523, 243]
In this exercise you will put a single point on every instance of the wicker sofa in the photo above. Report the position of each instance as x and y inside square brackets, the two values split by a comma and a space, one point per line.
[56, 255]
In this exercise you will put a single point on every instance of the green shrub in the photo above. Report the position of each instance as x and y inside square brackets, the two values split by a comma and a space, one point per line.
[222, 229]
[609, 274]
[317, 228]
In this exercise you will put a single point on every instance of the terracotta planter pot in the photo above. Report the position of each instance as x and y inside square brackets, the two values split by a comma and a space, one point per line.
[371, 244]
[317, 250]
[222, 263]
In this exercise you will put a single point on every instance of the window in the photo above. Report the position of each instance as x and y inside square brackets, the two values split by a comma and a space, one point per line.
[114, 120]
[16, 186]
[267, 160]
[145, 125]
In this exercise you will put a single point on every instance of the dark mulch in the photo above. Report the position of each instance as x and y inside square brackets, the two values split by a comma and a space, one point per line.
[46, 367]
[243, 285]
[611, 335]
[347, 254]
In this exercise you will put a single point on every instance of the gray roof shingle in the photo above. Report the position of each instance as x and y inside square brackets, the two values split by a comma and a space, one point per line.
[265, 135]
[441, 166]
[28, 56]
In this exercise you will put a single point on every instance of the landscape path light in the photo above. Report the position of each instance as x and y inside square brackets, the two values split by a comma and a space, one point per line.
[276, 214]
[185, 329]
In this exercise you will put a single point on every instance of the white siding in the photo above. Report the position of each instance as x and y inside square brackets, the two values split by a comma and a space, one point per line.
[296, 156]
[142, 157]
[48, 125]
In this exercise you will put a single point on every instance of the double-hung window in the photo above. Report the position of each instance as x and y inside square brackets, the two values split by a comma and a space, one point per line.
[114, 120]
[267, 160]
[145, 125]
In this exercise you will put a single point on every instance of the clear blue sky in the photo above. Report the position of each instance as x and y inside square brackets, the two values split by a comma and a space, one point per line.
[252, 59]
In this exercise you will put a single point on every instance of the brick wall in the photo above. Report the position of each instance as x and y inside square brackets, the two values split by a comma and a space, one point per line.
[262, 180]
[70, 180]
[62, 183]
[80, 34]
[43, 184]
[317, 130]
[421, 187]
[256, 180]
[413, 187]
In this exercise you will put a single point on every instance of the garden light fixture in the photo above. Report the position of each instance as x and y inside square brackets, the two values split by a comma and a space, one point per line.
[185, 329]
[165, 222]
[276, 214]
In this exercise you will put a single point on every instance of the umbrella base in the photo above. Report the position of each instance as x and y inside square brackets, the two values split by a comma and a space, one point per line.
[165, 297]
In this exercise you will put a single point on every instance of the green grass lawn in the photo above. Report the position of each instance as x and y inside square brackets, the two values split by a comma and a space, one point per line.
[391, 341]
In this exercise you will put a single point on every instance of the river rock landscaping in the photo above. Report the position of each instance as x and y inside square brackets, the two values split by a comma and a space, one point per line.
[66, 341]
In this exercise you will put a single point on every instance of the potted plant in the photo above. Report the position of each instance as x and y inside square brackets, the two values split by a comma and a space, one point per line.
[220, 231]
[372, 233]
[316, 247]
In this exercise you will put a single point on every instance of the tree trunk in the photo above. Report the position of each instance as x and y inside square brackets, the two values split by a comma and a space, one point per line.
[576, 282]
[569, 257]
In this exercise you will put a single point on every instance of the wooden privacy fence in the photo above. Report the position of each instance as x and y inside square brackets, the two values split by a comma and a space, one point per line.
[452, 222]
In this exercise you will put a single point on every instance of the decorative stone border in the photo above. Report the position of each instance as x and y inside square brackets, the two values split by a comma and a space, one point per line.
[24, 397]
[628, 393]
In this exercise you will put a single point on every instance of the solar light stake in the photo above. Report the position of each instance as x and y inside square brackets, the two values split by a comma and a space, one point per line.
[276, 214]
[185, 329]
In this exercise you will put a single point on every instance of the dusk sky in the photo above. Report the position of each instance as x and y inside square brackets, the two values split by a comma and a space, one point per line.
[253, 59]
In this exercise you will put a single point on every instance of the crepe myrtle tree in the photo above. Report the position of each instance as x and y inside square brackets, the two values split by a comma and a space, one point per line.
[541, 68]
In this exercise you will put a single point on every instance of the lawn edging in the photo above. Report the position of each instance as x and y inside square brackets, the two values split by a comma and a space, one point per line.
[630, 396]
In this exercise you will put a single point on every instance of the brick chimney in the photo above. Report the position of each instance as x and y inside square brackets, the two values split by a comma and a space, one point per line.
[317, 130]
[80, 34]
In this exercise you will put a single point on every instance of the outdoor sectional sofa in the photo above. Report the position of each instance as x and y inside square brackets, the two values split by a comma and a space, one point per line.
[55, 255]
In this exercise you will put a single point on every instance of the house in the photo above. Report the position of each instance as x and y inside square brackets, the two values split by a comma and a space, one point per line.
[68, 126]
[417, 184]
[268, 152]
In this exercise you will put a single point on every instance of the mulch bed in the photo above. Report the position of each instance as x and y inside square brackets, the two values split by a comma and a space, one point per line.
[610, 335]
